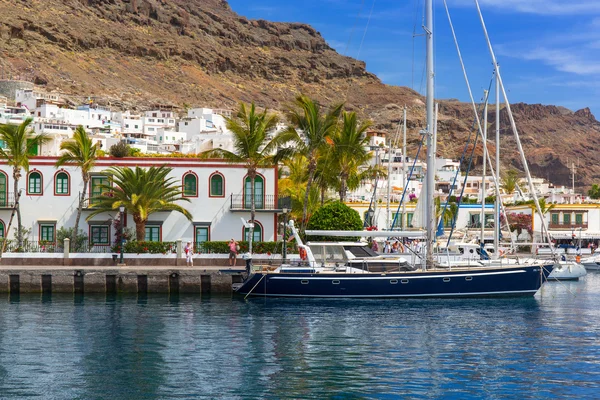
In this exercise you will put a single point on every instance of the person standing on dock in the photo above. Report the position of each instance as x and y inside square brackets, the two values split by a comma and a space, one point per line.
[189, 252]
[233, 249]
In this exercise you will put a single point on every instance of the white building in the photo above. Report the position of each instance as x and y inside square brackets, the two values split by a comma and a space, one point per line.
[219, 195]
[33, 98]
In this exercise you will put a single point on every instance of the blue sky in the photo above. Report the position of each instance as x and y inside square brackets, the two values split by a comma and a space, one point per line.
[548, 50]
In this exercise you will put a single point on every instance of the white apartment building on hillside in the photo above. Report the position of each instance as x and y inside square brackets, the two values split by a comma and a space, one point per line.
[219, 194]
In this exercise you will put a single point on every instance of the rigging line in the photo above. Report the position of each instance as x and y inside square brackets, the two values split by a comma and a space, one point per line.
[461, 162]
[514, 128]
[407, 182]
[359, 49]
[353, 28]
[414, 35]
[475, 107]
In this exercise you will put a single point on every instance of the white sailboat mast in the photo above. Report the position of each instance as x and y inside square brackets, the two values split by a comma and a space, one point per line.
[484, 141]
[430, 177]
[497, 225]
[404, 172]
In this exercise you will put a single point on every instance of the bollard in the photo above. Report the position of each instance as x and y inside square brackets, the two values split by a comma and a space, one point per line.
[178, 249]
[67, 248]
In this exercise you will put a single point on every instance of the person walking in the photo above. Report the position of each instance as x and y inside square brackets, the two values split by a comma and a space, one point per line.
[189, 252]
[233, 250]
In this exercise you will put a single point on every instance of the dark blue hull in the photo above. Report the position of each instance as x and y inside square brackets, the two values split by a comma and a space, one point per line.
[480, 282]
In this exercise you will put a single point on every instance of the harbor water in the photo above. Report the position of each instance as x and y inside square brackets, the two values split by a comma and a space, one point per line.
[179, 347]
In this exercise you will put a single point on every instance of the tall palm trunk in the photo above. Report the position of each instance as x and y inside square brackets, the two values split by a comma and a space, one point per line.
[343, 187]
[16, 177]
[312, 167]
[323, 189]
[86, 179]
[252, 209]
[140, 228]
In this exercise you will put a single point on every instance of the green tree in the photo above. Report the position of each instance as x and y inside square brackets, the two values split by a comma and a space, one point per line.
[252, 145]
[335, 216]
[293, 184]
[349, 154]
[307, 118]
[510, 181]
[142, 192]
[594, 192]
[83, 154]
[19, 144]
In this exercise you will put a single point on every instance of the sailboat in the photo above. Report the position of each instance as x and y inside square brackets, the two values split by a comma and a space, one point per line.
[327, 271]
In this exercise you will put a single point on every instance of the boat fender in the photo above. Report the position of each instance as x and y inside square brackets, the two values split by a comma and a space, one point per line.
[578, 258]
[302, 252]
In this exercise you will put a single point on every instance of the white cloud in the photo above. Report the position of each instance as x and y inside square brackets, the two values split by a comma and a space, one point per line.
[540, 7]
[565, 60]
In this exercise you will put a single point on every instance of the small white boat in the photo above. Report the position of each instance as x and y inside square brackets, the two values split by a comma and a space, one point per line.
[591, 263]
[567, 271]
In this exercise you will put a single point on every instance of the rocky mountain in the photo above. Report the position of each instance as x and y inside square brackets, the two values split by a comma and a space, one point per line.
[142, 53]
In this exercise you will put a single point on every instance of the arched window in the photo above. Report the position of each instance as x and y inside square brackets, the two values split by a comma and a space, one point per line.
[3, 189]
[61, 184]
[217, 185]
[257, 234]
[190, 185]
[259, 186]
[34, 183]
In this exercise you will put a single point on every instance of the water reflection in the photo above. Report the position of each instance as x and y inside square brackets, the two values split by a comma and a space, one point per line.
[178, 346]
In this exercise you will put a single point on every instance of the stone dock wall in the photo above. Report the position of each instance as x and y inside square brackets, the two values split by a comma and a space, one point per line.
[139, 273]
[80, 280]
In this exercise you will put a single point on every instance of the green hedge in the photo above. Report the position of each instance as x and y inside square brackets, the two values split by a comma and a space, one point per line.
[222, 247]
[134, 246]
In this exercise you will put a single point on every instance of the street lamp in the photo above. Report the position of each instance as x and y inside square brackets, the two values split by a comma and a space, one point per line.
[285, 215]
[122, 211]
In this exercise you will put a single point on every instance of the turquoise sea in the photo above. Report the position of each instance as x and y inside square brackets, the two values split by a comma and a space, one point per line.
[160, 347]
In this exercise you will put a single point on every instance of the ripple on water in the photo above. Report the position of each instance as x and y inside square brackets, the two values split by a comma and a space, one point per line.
[192, 347]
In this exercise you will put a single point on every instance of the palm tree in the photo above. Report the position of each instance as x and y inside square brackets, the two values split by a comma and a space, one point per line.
[253, 147]
[80, 152]
[326, 174]
[293, 184]
[19, 143]
[510, 181]
[316, 127]
[349, 152]
[142, 192]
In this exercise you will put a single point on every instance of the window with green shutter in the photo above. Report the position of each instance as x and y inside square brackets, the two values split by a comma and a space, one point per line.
[34, 183]
[47, 233]
[100, 235]
[61, 186]
[554, 218]
[256, 234]
[152, 233]
[216, 185]
[579, 219]
[190, 185]
[567, 219]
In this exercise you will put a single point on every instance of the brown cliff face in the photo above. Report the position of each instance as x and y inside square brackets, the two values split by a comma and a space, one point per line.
[138, 53]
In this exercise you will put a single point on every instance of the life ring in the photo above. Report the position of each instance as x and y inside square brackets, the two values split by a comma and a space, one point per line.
[302, 252]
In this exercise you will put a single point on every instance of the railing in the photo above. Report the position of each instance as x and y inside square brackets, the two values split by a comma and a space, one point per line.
[32, 246]
[7, 201]
[261, 203]
[567, 226]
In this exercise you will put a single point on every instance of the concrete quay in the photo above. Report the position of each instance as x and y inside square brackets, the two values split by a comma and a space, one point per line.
[121, 279]
[139, 273]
